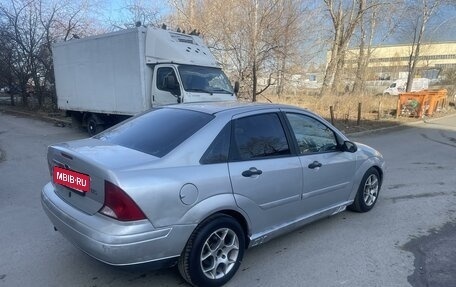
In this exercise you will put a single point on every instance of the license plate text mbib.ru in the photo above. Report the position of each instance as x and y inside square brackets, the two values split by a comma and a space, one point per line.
[72, 179]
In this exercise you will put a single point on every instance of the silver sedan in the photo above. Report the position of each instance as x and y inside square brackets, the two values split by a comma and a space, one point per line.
[197, 184]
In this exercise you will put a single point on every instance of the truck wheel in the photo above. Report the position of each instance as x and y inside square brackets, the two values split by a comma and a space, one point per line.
[93, 127]
[213, 253]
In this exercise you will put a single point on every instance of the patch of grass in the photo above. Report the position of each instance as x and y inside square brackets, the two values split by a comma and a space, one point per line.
[345, 107]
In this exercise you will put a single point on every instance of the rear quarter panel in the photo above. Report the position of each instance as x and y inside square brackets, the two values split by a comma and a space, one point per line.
[162, 194]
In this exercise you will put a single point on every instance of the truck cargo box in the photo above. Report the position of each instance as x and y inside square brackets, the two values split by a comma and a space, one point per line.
[104, 74]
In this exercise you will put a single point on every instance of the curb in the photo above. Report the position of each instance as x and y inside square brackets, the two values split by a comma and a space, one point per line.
[34, 115]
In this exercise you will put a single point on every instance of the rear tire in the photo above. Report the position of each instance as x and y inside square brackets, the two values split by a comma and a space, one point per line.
[213, 253]
[368, 191]
[93, 127]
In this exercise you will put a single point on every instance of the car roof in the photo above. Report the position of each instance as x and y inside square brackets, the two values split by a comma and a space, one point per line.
[228, 106]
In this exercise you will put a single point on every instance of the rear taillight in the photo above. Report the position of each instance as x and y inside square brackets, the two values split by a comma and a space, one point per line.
[119, 205]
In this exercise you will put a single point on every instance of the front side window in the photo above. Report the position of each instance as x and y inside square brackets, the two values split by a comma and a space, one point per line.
[258, 137]
[312, 135]
[163, 75]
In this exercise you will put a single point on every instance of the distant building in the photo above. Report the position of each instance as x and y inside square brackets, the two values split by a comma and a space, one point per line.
[391, 62]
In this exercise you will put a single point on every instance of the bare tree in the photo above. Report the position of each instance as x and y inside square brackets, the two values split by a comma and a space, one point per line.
[21, 33]
[379, 22]
[30, 28]
[6, 61]
[345, 17]
[255, 38]
[290, 40]
[424, 10]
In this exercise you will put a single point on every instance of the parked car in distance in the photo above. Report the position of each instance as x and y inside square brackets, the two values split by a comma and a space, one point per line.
[197, 184]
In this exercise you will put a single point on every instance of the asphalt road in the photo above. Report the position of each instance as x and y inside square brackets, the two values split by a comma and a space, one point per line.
[406, 240]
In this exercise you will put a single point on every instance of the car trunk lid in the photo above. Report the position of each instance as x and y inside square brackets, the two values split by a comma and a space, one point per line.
[94, 160]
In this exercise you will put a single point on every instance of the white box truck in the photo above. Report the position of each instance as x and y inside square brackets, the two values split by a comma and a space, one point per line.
[101, 80]
[399, 86]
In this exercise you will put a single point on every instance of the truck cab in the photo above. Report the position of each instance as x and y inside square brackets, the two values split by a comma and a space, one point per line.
[188, 83]
[184, 69]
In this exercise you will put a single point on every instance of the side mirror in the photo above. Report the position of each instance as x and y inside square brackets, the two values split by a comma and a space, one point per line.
[349, 146]
[236, 87]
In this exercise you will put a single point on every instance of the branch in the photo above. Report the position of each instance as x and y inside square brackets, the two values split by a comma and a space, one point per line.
[267, 86]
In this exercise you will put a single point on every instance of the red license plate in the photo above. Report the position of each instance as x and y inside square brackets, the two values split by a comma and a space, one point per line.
[72, 179]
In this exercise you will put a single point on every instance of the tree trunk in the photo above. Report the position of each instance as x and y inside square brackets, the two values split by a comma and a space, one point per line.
[38, 91]
[360, 68]
[364, 57]
[330, 71]
[13, 102]
[254, 82]
[281, 78]
[338, 73]
[415, 54]
[414, 58]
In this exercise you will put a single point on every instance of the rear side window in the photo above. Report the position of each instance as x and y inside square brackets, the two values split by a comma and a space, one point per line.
[157, 132]
[258, 137]
[219, 148]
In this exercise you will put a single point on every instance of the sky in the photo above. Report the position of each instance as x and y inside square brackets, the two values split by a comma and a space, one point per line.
[441, 27]
[115, 10]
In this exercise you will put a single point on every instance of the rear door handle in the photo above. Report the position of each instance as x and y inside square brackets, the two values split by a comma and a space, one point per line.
[251, 171]
[315, 164]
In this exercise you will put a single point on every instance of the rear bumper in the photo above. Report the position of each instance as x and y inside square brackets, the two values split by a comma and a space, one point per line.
[114, 242]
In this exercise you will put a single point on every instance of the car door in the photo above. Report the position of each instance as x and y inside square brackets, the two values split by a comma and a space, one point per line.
[327, 171]
[266, 176]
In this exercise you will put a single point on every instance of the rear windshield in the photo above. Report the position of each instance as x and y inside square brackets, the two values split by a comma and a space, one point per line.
[157, 132]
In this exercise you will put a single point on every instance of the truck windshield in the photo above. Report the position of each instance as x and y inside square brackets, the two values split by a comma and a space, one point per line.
[204, 79]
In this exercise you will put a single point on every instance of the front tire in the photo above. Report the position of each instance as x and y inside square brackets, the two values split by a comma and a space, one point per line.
[368, 191]
[213, 253]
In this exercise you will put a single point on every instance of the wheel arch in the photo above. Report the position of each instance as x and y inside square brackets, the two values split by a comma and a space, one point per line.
[239, 217]
[360, 203]
[368, 164]
[242, 221]
[380, 173]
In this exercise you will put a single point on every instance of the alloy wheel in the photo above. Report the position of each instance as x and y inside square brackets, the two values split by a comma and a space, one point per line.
[370, 190]
[220, 253]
